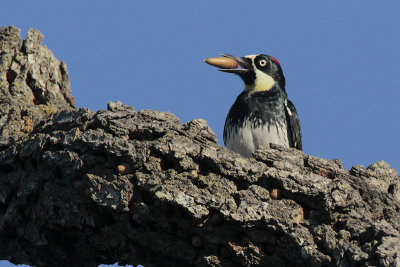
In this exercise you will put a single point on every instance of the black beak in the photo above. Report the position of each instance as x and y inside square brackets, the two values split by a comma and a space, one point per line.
[241, 61]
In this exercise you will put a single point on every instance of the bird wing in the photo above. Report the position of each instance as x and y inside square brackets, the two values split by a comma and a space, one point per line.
[294, 129]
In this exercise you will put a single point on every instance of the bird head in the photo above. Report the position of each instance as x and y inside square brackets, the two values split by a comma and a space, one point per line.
[259, 72]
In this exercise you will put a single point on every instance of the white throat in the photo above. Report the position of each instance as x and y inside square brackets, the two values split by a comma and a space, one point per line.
[263, 82]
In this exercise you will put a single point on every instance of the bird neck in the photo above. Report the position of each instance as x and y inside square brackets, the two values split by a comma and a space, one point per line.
[275, 93]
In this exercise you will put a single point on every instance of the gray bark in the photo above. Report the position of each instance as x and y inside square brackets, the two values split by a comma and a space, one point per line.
[81, 188]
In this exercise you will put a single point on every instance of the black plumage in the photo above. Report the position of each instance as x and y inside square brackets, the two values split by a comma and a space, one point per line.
[294, 130]
[262, 113]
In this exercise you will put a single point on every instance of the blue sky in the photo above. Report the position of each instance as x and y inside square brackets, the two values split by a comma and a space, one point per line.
[341, 61]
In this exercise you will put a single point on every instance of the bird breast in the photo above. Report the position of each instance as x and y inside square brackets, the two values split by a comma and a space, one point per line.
[249, 137]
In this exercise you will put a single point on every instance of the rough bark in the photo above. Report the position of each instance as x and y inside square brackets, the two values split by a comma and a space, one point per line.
[33, 83]
[81, 188]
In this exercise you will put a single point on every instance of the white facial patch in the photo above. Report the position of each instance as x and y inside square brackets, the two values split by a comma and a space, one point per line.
[252, 57]
[263, 81]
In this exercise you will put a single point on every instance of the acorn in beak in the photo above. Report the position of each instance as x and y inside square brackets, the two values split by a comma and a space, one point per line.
[229, 63]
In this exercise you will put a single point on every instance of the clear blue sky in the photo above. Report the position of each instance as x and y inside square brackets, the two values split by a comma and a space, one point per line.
[341, 61]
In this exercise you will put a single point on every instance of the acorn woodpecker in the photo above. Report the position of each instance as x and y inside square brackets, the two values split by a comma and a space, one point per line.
[262, 114]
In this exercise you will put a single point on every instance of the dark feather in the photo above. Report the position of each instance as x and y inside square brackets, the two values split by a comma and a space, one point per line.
[294, 130]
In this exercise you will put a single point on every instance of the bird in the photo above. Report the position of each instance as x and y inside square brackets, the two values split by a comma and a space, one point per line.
[262, 113]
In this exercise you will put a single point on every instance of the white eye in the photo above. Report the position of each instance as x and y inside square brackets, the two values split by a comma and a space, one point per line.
[262, 62]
